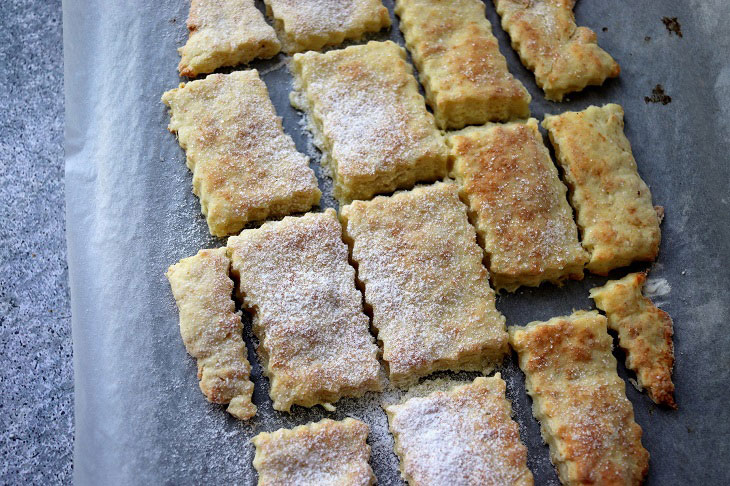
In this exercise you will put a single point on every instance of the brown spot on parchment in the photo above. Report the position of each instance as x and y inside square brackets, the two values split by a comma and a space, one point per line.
[658, 96]
[672, 25]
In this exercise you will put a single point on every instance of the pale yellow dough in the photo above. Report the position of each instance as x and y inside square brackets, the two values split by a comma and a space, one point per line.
[644, 332]
[294, 276]
[563, 56]
[613, 205]
[245, 168]
[369, 119]
[326, 453]
[517, 204]
[310, 25]
[462, 71]
[211, 329]
[580, 401]
[425, 285]
[225, 33]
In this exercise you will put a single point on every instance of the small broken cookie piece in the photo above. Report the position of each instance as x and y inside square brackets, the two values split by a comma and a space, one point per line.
[580, 400]
[245, 168]
[421, 268]
[315, 345]
[517, 204]
[618, 223]
[368, 119]
[563, 56]
[225, 33]
[211, 329]
[310, 25]
[464, 435]
[644, 331]
[462, 71]
[326, 453]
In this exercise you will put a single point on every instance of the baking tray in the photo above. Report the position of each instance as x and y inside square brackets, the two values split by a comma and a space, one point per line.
[140, 417]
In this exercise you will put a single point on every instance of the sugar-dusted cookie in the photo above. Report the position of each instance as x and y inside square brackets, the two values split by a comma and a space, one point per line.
[644, 331]
[613, 205]
[580, 401]
[429, 294]
[315, 346]
[463, 435]
[563, 56]
[369, 119]
[517, 204]
[310, 25]
[225, 33]
[211, 329]
[245, 168]
[463, 73]
[326, 453]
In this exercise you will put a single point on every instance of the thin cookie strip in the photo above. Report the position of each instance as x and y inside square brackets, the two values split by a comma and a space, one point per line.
[462, 71]
[517, 204]
[369, 119]
[613, 205]
[225, 33]
[465, 432]
[425, 285]
[326, 453]
[580, 401]
[644, 331]
[310, 25]
[211, 329]
[563, 56]
[245, 168]
[294, 276]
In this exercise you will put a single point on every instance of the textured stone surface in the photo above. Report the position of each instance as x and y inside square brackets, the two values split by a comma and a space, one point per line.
[36, 402]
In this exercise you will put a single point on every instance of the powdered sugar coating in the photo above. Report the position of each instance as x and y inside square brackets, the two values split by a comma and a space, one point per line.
[326, 453]
[245, 168]
[424, 281]
[463, 436]
[314, 340]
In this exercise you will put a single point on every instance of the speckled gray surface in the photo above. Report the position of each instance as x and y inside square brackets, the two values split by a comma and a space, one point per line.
[36, 403]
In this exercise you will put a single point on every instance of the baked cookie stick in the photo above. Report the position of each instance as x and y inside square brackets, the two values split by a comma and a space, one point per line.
[304, 25]
[245, 168]
[580, 401]
[613, 205]
[225, 33]
[563, 56]
[644, 331]
[307, 313]
[368, 119]
[517, 204]
[326, 453]
[462, 71]
[464, 435]
[425, 285]
[211, 329]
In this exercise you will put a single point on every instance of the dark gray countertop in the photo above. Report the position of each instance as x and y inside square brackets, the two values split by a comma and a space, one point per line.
[36, 402]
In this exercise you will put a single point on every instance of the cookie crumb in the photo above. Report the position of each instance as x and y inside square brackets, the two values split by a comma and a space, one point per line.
[672, 25]
[658, 96]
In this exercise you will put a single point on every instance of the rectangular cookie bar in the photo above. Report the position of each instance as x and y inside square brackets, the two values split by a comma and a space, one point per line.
[465, 432]
[368, 119]
[310, 25]
[245, 168]
[315, 345]
[326, 453]
[517, 204]
[580, 401]
[225, 33]
[613, 205]
[563, 56]
[462, 71]
[425, 285]
[212, 330]
[644, 332]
